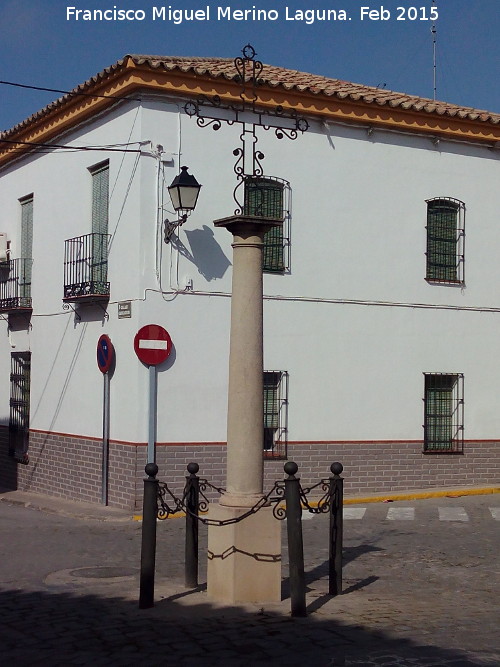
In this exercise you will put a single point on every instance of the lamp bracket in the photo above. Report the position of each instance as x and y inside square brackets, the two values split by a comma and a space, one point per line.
[170, 227]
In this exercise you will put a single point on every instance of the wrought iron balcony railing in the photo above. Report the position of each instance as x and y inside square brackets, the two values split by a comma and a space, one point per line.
[86, 268]
[15, 284]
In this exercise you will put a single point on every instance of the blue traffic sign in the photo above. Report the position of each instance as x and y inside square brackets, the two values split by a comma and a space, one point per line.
[105, 353]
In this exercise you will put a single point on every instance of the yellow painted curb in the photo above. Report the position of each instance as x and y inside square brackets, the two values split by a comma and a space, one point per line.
[416, 495]
[410, 495]
[177, 515]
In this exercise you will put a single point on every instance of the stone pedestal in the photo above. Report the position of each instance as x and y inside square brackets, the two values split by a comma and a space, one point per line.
[244, 558]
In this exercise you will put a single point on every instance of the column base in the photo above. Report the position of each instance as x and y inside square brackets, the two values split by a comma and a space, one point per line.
[244, 558]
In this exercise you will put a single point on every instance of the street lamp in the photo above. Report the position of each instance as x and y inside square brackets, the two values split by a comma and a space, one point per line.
[183, 191]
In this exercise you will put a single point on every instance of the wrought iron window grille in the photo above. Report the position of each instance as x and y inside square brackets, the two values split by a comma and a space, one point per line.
[15, 285]
[275, 414]
[269, 197]
[86, 268]
[444, 413]
[445, 253]
[19, 419]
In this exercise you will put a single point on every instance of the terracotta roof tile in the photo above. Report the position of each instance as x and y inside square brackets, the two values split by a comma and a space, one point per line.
[278, 77]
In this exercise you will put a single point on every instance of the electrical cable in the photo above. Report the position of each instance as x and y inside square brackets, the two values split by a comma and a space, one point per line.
[67, 92]
[72, 148]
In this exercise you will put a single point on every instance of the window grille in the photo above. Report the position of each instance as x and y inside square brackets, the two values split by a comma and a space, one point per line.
[445, 240]
[15, 285]
[19, 419]
[265, 197]
[275, 414]
[444, 413]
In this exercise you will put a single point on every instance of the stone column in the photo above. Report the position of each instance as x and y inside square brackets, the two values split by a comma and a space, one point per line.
[245, 557]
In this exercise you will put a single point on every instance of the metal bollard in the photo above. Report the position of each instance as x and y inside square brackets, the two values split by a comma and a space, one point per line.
[148, 546]
[295, 542]
[336, 529]
[191, 544]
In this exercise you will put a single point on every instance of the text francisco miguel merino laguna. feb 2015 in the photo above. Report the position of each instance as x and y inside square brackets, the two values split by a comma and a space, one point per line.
[172, 14]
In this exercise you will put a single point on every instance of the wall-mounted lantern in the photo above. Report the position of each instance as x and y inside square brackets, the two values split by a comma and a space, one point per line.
[183, 191]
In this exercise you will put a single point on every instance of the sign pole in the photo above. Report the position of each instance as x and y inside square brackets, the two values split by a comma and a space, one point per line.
[152, 345]
[105, 360]
[105, 440]
[152, 414]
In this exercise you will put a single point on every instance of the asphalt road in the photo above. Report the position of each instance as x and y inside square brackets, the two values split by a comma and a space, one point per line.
[421, 587]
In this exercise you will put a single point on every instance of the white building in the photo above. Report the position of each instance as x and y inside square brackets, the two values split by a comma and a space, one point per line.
[382, 311]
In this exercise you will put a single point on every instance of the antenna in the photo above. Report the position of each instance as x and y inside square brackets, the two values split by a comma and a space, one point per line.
[434, 55]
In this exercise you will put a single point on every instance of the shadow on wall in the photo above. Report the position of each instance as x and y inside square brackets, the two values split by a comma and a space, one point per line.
[206, 254]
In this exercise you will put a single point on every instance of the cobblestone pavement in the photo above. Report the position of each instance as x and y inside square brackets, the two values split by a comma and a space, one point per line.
[421, 590]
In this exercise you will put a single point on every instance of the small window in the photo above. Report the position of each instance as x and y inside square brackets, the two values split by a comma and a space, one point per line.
[275, 414]
[265, 197]
[443, 413]
[445, 240]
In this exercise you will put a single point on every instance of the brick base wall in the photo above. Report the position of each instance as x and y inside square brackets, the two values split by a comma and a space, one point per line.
[70, 466]
[392, 466]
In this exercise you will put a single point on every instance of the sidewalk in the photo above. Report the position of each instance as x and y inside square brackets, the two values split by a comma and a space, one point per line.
[98, 512]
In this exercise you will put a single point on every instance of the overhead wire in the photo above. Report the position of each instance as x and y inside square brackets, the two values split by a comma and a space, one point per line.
[107, 148]
[66, 92]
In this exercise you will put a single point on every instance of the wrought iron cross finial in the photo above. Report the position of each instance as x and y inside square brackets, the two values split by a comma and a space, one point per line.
[212, 112]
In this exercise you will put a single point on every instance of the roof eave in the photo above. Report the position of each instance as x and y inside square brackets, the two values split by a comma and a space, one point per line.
[137, 73]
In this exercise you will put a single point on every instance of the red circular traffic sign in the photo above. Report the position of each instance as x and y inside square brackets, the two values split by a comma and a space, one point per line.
[105, 353]
[152, 344]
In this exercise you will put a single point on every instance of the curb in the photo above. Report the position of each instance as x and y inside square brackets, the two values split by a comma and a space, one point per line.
[91, 513]
[422, 495]
[387, 498]
[87, 514]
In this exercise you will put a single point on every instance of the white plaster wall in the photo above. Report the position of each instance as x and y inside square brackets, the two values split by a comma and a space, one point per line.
[357, 233]
[66, 386]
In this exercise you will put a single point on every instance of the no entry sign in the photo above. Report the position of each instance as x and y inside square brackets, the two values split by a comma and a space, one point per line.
[105, 353]
[152, 344]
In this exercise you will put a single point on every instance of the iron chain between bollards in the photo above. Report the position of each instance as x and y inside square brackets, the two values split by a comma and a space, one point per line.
[157, 497]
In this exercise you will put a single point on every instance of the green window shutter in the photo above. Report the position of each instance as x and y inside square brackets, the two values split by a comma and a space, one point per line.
[275, 413]
[26, 247]
[27, 228]
[271, 399]
[264, 198]
[442, 240]
[439, 412]
[100, 199]
[100, 213]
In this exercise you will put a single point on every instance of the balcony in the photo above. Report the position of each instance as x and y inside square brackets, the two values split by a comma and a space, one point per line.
[15, 285]
[86, 268]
